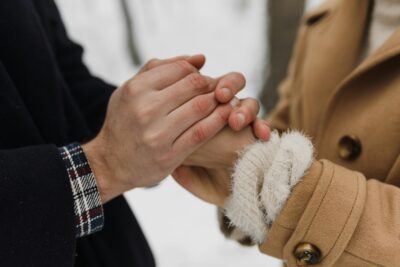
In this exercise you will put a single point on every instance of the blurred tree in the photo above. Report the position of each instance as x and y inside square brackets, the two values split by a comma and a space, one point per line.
[242, 4]
[130, 34]
[284, 18]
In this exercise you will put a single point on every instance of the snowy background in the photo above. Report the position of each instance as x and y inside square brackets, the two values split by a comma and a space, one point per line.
[182, 231]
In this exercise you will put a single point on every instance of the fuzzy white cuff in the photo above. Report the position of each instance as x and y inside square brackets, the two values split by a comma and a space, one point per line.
[263, 179]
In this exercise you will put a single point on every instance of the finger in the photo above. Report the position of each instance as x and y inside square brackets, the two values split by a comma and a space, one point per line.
[181, 92]
[261, 130]
[183, 117]
[229, 85]
[245, 114]
[165, 75]
[202, 131]
[156, 62]
[197, 61]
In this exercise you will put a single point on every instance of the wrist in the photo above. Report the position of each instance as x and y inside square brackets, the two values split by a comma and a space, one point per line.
[244, 140]
[98, 159]
[222, 178]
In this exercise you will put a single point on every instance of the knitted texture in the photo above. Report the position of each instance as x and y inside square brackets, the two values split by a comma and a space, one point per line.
[291, 162]
[263, 179]
[244, 206]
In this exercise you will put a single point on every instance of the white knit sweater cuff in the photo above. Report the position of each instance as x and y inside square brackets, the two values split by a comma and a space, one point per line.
[263, 179]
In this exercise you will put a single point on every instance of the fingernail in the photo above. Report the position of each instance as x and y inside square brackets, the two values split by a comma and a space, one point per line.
[196, 55]
[234, 102]
[241, 119]
[226, 93]
[266, 131]
[265, 127]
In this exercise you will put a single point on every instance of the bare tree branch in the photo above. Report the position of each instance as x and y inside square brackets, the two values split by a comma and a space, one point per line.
[284, 18]
[132, 46]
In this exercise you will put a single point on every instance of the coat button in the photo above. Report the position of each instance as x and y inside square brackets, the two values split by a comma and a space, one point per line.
[307, 254]
[349, 147]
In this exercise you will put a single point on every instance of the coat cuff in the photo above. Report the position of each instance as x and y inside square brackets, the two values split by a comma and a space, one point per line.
[89, 216]
[323, 211]
[263, 180]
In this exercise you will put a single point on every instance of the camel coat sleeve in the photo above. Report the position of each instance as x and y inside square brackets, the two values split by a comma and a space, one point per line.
[351, 220]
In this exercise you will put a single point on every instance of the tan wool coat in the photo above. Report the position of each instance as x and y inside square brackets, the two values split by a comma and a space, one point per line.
[346, 210]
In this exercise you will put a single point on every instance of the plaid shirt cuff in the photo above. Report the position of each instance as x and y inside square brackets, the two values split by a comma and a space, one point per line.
[89, 215]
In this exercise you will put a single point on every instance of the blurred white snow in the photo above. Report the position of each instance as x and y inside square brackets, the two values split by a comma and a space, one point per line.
[181, 230]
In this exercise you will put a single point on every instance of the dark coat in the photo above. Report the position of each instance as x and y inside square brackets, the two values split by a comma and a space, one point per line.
[48, 99]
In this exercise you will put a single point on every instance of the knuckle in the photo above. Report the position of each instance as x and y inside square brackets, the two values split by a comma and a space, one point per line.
[144, 114]
[129, 89]
[197, 81]
[222, 115]
[200, 134]
[152, 140]
[152, 63]
[201, 105]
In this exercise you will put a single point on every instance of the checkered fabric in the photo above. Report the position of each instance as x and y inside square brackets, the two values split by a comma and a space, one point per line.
[87, 203]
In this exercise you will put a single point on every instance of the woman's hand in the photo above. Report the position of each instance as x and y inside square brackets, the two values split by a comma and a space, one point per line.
[206, 173]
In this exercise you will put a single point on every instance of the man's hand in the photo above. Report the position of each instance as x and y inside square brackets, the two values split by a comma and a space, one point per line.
[206, 173]
[154, 121]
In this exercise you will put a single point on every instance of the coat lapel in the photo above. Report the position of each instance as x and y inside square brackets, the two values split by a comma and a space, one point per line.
[340, 47]
[332, 54]
[390, 49]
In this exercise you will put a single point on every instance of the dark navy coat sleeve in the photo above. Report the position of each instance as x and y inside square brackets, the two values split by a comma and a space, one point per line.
[37, 225]
[91, 93]
[49, 99]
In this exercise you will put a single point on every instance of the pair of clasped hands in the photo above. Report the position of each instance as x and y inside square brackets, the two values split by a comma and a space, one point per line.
[169, 118]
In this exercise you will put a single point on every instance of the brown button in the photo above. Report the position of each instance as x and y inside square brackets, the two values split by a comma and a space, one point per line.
[349, 147]
[307, 254]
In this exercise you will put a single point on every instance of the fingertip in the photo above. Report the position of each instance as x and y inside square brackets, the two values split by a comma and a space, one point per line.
[226, 94]
[241, 119]
[237, 121]
[197, 61]
[223, 95]
[262, 131]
